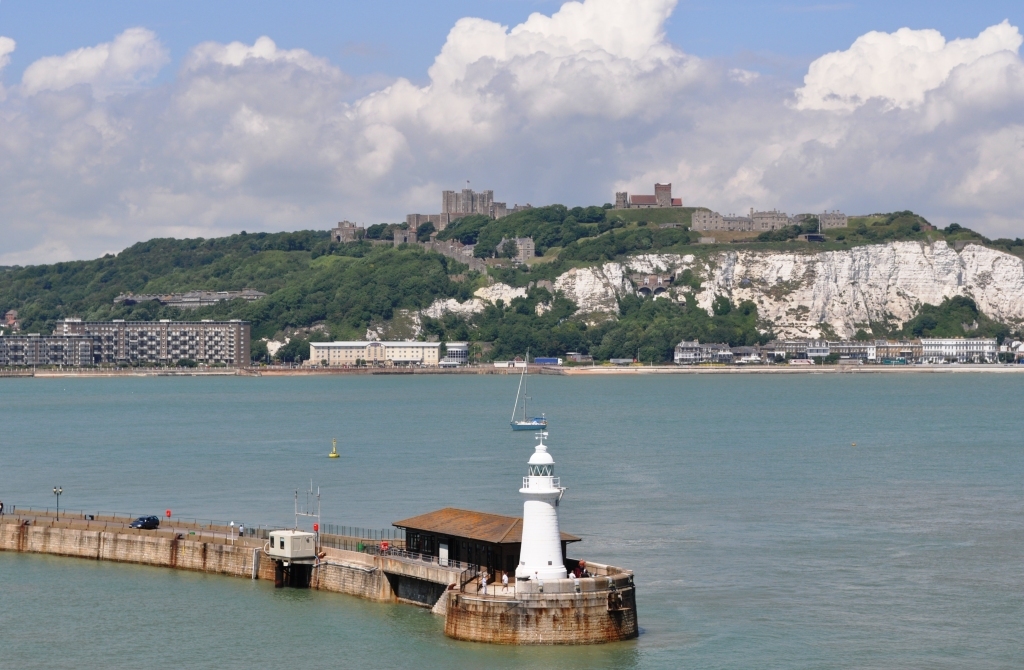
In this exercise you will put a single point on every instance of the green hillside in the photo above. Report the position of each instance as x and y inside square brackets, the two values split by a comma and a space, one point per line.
[343, 289]
[308, 279]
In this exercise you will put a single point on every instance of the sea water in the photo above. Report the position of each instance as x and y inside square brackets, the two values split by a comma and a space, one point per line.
[759, 534]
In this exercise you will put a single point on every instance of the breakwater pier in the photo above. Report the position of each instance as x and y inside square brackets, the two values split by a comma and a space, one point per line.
[375, 565]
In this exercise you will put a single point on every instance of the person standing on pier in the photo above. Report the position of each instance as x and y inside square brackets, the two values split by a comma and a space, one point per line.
[504, 582]
[483, 583]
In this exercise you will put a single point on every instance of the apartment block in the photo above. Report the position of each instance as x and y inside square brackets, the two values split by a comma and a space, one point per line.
[373, 353]
[163, 342]
[36, 349]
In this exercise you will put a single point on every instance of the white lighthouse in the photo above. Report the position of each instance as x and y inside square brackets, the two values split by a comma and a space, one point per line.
[541, 553]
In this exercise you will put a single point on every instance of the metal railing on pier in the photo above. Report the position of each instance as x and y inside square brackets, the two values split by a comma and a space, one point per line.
[372, 534]
[413, 556]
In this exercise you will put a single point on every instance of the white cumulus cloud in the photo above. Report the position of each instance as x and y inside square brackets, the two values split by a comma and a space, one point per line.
[6, 49]
[237, 54]
[599, 58]
[898, 68]
[133, 57]
[563, 108]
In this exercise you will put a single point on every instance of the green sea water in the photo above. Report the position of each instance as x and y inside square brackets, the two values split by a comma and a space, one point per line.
[759, 535]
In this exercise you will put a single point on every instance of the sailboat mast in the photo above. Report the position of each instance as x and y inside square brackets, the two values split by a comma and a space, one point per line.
[526, 370]
[518, 391]
[525, 390]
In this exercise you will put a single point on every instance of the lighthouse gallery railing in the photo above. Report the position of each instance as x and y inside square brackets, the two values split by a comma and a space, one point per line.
[556, 482]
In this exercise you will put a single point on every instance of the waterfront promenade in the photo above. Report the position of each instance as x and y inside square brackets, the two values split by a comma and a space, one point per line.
[487, 369]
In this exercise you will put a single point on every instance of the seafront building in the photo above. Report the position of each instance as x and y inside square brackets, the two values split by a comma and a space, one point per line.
[959, 349]
[693, 353]
[81, 343]
[35, 349]
[456, 354]
[374, 353]
[886, 352]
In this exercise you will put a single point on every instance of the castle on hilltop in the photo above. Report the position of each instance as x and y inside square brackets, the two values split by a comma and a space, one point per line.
[662, 198]
[457, 204]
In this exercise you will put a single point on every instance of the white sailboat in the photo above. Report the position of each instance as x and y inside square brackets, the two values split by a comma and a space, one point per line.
[526, 423]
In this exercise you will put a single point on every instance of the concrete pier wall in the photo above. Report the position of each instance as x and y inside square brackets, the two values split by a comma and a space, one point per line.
[561, 611]
[225, 559]
[352, 573]
[346, 572]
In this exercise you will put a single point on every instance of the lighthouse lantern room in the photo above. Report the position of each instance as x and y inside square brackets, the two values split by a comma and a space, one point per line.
[541, 553]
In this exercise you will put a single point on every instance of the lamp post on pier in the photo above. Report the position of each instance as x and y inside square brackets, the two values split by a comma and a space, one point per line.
[57, 490]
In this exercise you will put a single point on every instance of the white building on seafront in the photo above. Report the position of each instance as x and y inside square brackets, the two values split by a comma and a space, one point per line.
[456, 354]
[540, 556]
[959, 349]
[373, 353]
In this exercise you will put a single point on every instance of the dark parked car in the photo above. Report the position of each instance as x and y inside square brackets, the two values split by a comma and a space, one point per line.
[146, 523]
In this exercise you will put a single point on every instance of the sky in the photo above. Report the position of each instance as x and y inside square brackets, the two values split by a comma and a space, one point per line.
[122, 121]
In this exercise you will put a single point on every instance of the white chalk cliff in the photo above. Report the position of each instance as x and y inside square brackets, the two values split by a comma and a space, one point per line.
[799, 293]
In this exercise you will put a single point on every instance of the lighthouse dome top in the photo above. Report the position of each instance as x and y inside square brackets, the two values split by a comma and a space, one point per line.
[540, 455]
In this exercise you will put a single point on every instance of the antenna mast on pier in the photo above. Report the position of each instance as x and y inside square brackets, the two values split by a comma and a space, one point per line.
[312, 499]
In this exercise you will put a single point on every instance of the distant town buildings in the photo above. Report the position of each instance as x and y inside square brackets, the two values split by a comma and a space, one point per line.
[886, 352]
[662, 198]
[694, 353]
[191, 299]
[373, 353]
[11, 319]
[80, 343]
[705, 219]
[457, 204]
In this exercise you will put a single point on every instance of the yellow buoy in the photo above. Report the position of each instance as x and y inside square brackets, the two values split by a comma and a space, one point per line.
[854, 444]
[334, 449]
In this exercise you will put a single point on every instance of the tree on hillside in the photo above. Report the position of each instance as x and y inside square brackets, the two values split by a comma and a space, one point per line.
[423, 232]
[958, 316]
[509, 249]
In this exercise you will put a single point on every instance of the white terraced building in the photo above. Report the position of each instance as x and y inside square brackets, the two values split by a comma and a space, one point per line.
[347, 354]
[960, 349]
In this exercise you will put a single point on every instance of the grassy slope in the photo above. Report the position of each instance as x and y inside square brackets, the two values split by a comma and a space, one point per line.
[681, 215]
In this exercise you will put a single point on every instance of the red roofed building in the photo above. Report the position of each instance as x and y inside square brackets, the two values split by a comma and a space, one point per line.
[662, 198]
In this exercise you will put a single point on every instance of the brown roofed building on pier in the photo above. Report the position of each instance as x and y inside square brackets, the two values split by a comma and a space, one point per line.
[473, 538]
